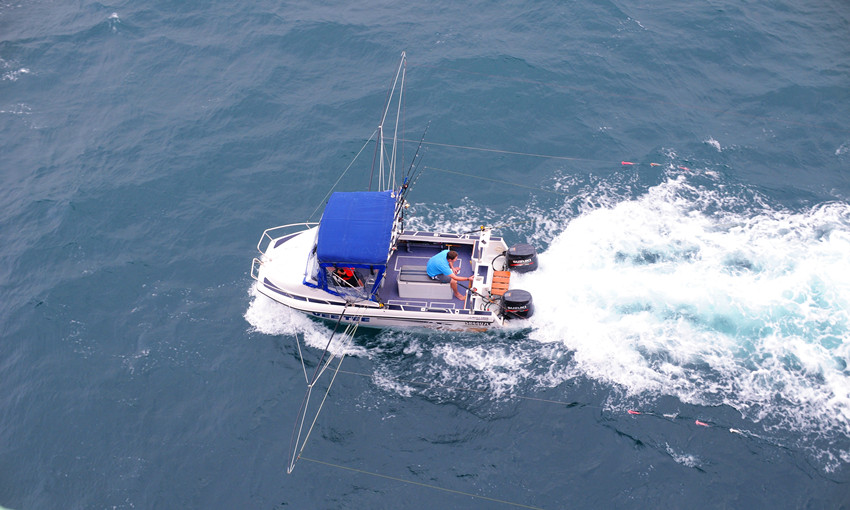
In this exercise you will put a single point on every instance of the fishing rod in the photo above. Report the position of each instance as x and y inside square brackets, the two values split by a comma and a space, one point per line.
[416, 175]
[418, 148]
[413, 170]
[406, 187]
[414, 178]
[407, 184]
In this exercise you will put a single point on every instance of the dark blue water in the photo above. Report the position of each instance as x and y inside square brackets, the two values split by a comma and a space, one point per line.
[145, 147]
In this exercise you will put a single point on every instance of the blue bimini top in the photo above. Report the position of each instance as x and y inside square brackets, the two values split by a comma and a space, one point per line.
[356, 229]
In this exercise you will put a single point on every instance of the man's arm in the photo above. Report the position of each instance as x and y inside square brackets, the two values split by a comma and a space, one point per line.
[461, 278]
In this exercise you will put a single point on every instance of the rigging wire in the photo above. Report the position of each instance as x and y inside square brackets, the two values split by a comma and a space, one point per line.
[379, 147]
[296, 444]
[397, 116]
[341, 175]
[300, 354]
[348, 334]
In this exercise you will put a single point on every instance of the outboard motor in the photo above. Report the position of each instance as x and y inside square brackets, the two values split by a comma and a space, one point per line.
[522, 258]
[517, 304]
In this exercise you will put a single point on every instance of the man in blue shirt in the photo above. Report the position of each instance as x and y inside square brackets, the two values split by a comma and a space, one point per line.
[440, 268]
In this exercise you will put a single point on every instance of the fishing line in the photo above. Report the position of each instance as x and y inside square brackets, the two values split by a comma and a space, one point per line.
[534, 155]
[631, 412]
[684, 106]
[706, 423]
[499, 181]
[472, 390]
[420, 484]
[497, 227]
[341, 175]
[515, 153]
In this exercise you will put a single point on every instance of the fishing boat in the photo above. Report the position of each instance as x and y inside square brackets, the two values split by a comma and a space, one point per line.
[359, 264]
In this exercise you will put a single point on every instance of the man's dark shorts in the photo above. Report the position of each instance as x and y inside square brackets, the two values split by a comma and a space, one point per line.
[444, 278]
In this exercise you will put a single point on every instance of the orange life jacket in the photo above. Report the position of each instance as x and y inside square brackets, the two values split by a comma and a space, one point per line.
[345, 273]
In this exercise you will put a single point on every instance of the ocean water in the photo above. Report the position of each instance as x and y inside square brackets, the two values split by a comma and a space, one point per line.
[682, 169]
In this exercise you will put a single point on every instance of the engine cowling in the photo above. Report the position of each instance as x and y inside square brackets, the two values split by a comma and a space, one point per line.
[517, 304]
[521, 258]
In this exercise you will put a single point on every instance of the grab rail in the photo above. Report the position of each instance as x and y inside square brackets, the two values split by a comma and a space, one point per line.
[267, 234]
[255, 268]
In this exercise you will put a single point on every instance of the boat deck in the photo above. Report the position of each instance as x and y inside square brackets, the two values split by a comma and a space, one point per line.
[417, 254]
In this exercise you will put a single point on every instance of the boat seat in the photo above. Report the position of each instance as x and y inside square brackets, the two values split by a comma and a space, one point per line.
[414, 282]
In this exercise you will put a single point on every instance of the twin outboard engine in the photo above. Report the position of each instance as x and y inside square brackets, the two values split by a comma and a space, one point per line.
[522, 258]
[516, 303]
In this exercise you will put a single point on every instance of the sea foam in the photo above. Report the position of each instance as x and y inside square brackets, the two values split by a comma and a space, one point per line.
[682, 292]
[699, 292]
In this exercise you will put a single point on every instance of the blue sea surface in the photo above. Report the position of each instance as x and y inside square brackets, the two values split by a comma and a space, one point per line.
[683, 169]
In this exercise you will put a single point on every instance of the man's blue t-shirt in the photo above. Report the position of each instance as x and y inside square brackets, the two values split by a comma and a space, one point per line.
[439, 264]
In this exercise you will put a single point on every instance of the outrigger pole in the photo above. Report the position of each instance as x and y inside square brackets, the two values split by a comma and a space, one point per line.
[380, 152]
[299, 437]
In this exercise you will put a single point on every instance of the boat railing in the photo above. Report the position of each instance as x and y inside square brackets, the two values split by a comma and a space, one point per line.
[270, 234]
[444, 235]
[255, 268]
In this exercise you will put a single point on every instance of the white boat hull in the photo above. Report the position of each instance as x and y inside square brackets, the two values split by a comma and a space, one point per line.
[283, 269]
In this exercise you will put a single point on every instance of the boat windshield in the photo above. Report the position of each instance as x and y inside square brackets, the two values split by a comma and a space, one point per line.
[352, 283]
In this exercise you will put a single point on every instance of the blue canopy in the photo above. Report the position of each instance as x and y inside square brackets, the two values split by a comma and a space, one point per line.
[356, 229]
